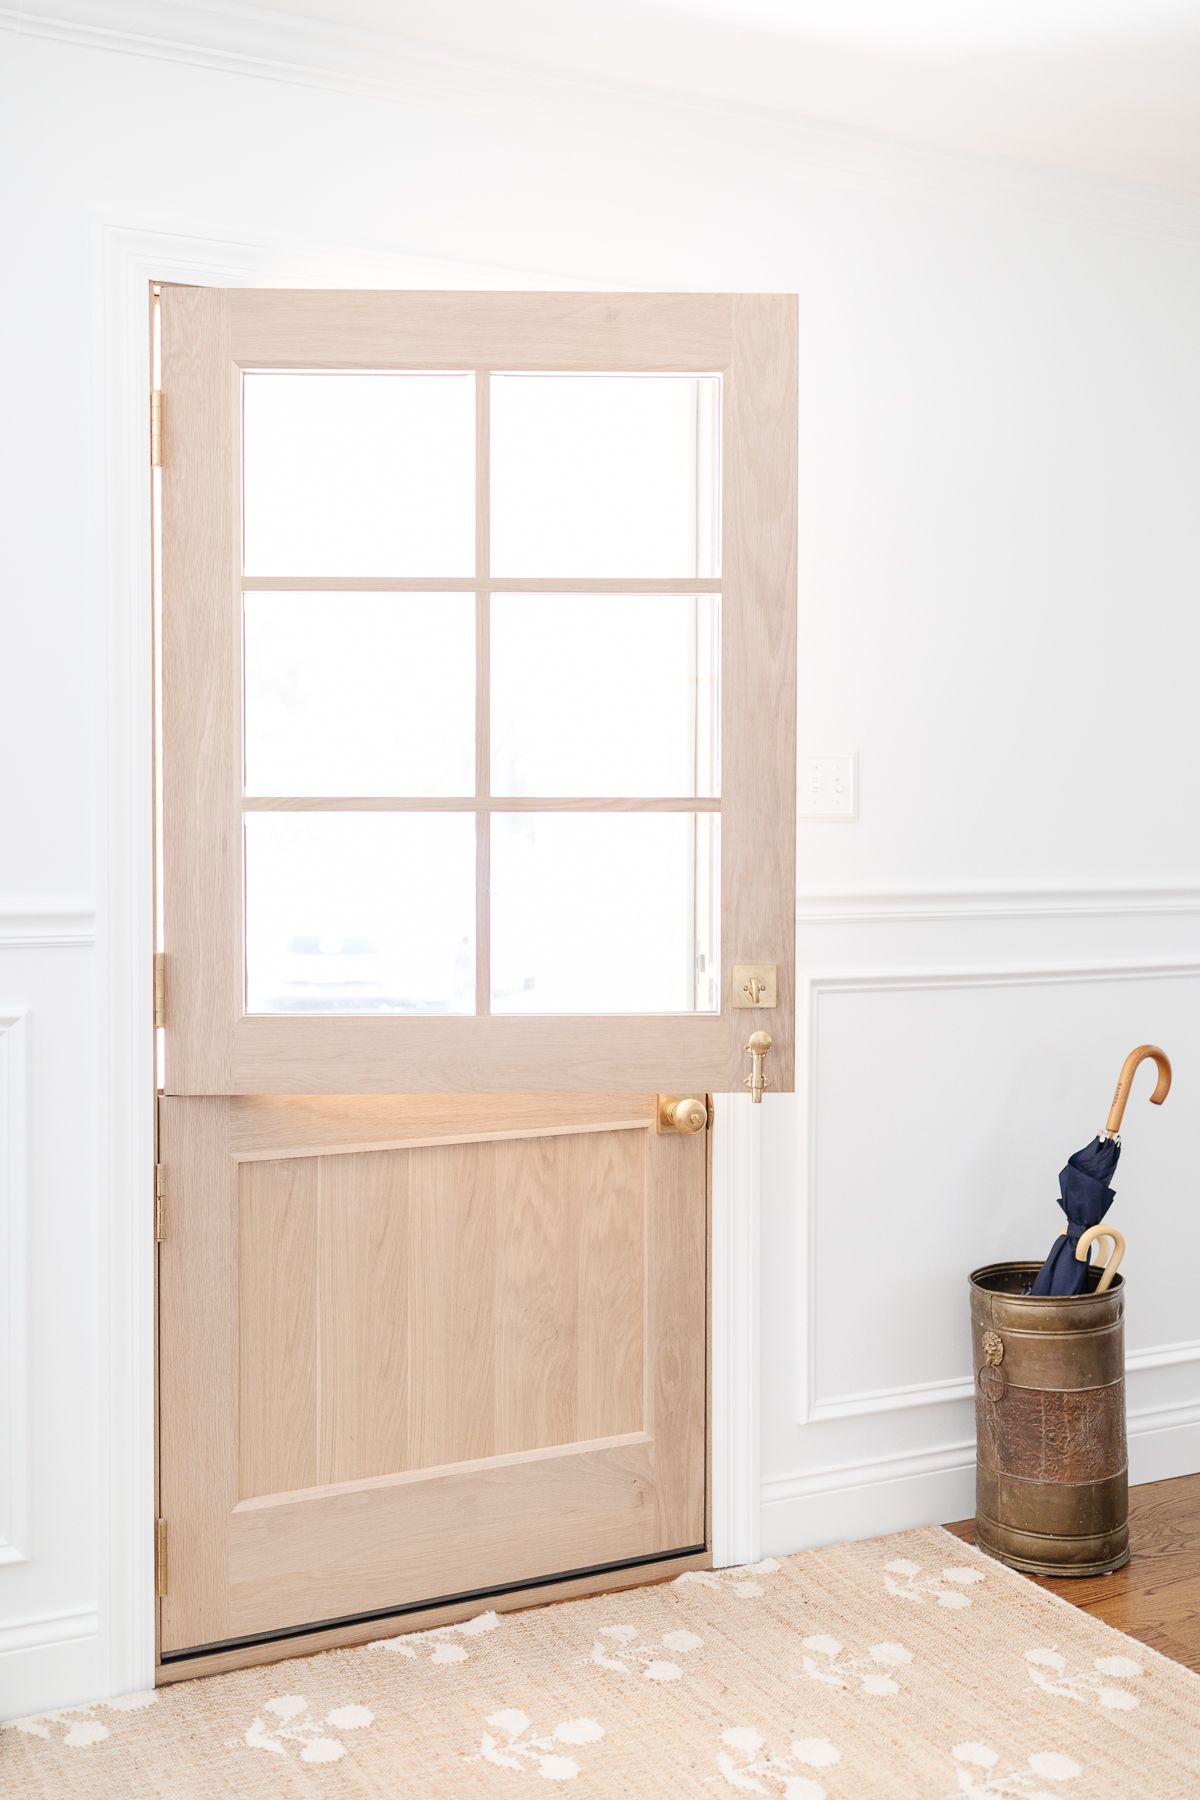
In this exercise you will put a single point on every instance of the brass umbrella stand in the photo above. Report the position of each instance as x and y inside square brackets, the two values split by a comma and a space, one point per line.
[1052, 1467]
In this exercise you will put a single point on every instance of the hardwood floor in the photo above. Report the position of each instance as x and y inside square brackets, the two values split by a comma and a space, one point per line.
[1156, 1596]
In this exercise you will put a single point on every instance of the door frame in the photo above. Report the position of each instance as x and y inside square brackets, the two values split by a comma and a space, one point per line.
[124, 262]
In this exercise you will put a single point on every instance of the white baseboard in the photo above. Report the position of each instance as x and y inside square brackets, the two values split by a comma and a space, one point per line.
[930, 1487]
[60, 1664]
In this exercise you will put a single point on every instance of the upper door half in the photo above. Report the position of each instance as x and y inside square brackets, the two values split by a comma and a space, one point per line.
[478, 690]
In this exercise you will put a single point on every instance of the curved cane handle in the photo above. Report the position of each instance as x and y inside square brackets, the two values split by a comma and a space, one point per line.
[1114, 1256]
[1117, 1110]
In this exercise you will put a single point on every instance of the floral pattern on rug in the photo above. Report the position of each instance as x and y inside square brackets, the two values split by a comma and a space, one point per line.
[757, 1770]
[946, 1588]
[524, 1750]
[625, 1655]
[1048, 1670]
[867, 1671]
[980, 1773]
[292, 1725]
[910, 1668]
[82, 1727]
[443, 1650]
[741, 1582]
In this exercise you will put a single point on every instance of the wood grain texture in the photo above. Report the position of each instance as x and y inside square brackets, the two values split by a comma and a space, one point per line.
[676, 1361]
[277, 328]
[407, 1309]
[366, 1251]
[198, 1367]
[677, 1054]
[280, 1350]
[201, 691]
[375, 1360]
[1156, 1596]
[286, 1125]
[758, 681]
[429, 1618]
[455, 1244]
[427, 1533]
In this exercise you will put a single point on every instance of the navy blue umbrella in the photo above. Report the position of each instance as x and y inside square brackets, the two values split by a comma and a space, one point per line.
[1085, 1197]
[1084, 1193]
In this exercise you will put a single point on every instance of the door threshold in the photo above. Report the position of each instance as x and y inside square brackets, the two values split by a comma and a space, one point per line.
[178, 1661]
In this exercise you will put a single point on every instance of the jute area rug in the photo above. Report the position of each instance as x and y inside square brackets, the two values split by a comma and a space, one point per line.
[910, 1666]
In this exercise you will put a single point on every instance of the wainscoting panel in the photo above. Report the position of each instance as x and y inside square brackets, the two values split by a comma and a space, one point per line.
[14, 1292]
[49, 1632]
[959, 1046]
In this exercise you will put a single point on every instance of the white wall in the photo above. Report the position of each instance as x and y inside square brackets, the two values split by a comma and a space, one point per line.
[1000, 429]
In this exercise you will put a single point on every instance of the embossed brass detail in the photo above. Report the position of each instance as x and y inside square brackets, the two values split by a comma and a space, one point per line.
[1051, 1451]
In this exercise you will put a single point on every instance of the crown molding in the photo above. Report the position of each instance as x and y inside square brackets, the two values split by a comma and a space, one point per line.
[272, 45]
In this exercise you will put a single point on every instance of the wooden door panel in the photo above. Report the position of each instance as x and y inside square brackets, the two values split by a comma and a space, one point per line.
[433, 1534]
[461, 1360]
[404, 1309]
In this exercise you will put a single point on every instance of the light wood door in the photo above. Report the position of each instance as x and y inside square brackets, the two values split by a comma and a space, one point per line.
[464, 824]
[419, 1350]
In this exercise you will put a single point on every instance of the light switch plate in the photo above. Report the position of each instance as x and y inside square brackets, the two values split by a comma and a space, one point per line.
[827, 790]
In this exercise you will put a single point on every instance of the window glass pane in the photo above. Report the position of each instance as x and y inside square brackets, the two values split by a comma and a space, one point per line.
[359, 474]
[605, 475]
[360, 694]
[360, 912]
[605, 694]
[604, 912]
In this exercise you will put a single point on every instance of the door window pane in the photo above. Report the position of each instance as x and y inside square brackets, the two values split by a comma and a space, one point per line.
[359, 694]
[359, 474]
[360, 912]
[605, 475]
[604, 912]
[605, 694]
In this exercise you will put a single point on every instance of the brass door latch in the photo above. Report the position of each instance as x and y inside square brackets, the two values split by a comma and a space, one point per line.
[756, 1081]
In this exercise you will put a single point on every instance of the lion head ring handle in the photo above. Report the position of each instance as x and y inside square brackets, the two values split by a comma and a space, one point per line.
[1162, 1088]
[1114, 1257]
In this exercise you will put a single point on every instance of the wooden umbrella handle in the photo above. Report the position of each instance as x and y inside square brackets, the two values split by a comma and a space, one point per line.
[1117, 1110]
[1114, 1255]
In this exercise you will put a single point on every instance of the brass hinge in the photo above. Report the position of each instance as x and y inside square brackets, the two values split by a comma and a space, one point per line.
[160, 1203]
[156, 428]
[160, 989]
[160, 1558]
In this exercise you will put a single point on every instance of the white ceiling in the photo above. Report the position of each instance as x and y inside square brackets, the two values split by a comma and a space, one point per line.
[1101, 88]
[1107, 88]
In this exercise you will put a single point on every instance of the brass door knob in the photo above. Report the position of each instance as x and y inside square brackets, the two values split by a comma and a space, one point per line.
[681, 1114]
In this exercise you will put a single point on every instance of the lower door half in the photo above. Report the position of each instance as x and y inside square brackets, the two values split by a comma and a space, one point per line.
[416, 1350]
